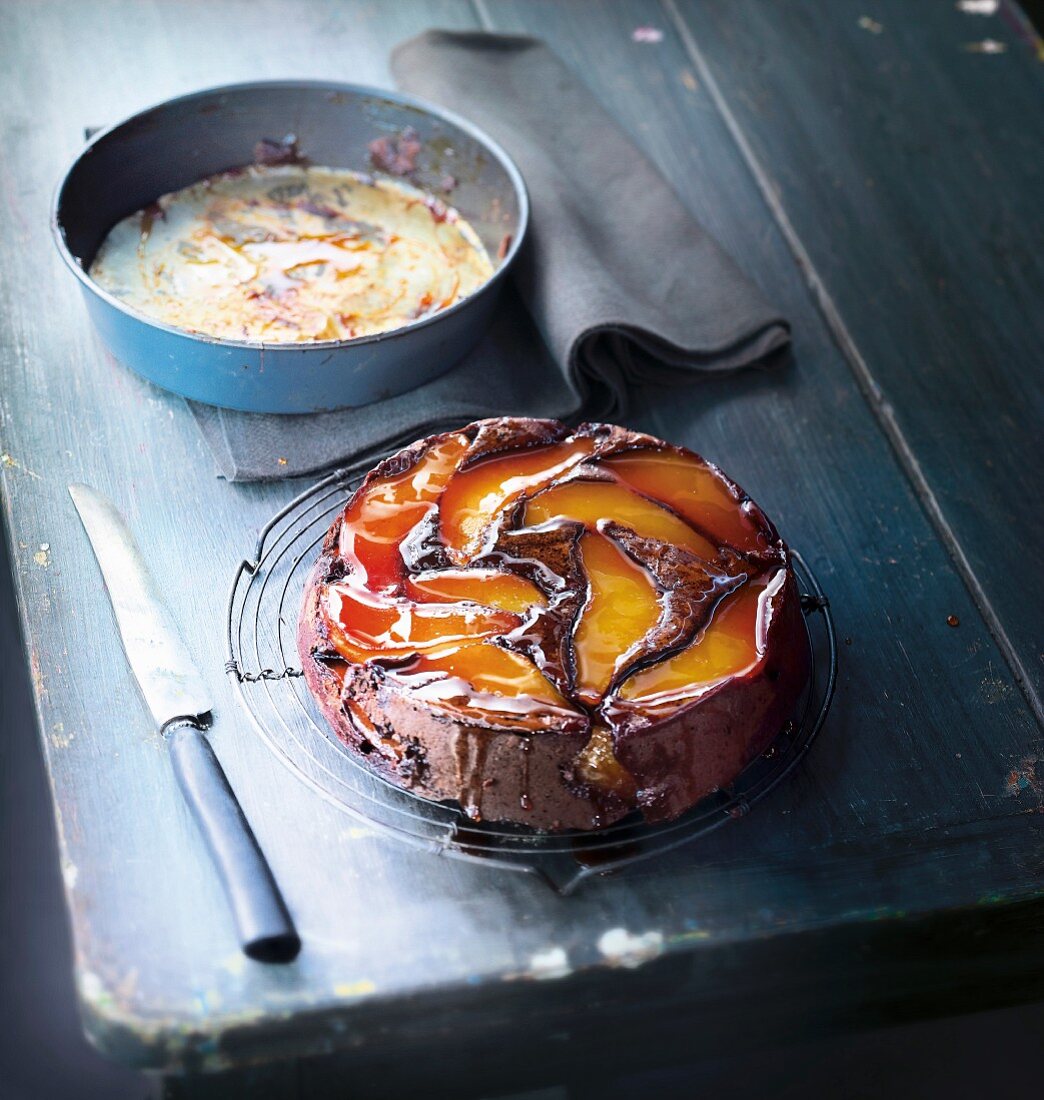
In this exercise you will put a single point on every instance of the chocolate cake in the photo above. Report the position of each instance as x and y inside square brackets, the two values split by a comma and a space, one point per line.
[553, 627]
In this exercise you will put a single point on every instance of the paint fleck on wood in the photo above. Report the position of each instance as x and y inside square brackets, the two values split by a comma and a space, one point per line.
[987, 46]
[622, 948]
[647, 34]
[1025, 780]
[361, 988]
[550, 964]
[995, 689]
[10, 463]
[59, 738]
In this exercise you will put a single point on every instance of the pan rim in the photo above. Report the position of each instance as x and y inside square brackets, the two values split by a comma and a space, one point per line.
[359, 90]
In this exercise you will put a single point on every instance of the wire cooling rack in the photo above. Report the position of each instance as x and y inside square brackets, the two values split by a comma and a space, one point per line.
[263, 608]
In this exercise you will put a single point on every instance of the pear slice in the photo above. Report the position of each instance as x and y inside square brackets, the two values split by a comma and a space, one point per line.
[596, 502]
[698, 493]
[621, 608]
[485, 679]
[730, 645]
[365, 626]
[480, 493]
[388, 506]
[488, 587]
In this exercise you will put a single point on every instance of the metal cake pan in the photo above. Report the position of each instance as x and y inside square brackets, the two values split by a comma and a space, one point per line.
[127, 166]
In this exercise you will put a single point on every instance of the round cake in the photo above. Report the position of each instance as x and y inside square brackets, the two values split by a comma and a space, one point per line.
[553, 627]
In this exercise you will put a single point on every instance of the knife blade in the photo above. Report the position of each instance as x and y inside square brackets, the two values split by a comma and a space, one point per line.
[158, 656]
[180, 702]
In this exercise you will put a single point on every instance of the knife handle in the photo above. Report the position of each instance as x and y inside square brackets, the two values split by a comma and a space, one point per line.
[265, 928]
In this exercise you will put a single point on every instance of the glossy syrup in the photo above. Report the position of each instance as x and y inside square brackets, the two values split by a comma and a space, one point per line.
[558, 588]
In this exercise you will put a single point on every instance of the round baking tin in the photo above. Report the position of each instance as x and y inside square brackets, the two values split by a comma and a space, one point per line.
[164, 148]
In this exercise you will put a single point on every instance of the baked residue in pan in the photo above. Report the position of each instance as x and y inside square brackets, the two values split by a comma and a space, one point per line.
[292, 254]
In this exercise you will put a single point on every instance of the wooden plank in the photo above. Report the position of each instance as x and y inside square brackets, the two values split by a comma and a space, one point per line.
[907, 167]
[804, 444]
[906, 806]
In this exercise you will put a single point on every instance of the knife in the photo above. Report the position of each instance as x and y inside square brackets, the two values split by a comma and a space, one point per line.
[180, 703]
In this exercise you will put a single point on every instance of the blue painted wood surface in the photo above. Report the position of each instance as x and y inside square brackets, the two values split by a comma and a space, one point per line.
[906, 164]
[897, 872]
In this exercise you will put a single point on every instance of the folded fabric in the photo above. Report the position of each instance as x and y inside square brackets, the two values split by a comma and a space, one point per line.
[616, 284]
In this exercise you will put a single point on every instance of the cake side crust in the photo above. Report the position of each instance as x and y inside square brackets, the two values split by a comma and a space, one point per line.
[536, 778]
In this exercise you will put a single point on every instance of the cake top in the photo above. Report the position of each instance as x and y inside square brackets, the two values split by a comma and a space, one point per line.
[518, 574]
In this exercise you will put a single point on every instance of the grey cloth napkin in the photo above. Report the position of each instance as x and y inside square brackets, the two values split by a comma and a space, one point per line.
[616, 284]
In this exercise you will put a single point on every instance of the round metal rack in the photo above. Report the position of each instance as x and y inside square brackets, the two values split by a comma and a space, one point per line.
[263, 608]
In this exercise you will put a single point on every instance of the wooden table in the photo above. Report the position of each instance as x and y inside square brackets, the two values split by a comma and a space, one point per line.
[880, 178]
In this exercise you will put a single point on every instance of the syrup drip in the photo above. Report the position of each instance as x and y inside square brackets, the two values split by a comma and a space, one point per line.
[598, 766]
[470, 748]
[525, 746]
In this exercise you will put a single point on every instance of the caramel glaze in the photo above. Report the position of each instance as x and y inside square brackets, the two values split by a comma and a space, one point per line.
[553, 627]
